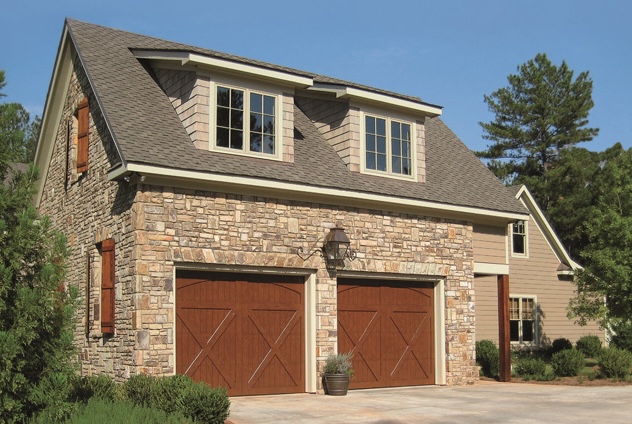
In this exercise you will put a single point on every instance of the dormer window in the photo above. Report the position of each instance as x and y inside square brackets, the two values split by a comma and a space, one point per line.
[388, 146]
[245, 121]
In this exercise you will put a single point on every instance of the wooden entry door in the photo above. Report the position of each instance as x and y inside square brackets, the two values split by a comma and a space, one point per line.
[389, 328]
[244, 332]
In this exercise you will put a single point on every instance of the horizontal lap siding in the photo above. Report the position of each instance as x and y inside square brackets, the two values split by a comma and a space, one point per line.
[486, 292]
[489, 244]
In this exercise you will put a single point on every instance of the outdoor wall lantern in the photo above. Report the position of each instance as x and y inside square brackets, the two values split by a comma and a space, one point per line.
[336, 248]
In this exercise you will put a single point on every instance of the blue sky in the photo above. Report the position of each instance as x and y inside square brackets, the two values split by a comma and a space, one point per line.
[448, 52]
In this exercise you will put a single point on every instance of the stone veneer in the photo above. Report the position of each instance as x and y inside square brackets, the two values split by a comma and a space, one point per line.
[157, 228]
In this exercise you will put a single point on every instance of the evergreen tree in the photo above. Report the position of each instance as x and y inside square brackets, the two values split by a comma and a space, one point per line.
[541, 112]
[36, 314]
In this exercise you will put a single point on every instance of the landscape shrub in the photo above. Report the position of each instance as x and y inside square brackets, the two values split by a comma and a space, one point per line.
[567, 363]
[590, 346]
[615, 363]
[560, 344]
[139, 388]
[622, 335]
[100, 411]
[530, 367]
[96, 386]
[168, 392]
[204, 404]
[488, 357]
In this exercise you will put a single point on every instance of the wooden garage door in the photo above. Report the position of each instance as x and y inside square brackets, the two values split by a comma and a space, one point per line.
[244, 332]
[389, 328]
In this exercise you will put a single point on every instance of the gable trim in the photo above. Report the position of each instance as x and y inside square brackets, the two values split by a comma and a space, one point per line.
[166, 176]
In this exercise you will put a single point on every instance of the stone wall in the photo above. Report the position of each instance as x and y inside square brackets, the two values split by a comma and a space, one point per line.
[88, 208]
[177, 226]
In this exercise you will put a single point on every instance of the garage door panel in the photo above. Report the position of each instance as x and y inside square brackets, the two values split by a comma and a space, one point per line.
[395, 346]
[256, 346]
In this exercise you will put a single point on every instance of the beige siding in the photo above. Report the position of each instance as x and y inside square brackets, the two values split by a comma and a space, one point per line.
[486, 307]
[489, 244]
[536, 275]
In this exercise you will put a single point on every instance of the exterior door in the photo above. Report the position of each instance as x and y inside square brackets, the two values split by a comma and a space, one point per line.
[388, 326]
[244, 332]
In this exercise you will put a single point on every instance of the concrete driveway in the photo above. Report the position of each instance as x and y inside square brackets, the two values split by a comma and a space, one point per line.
[485, 402]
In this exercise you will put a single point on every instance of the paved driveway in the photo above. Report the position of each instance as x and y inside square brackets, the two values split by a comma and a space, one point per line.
[485, 402]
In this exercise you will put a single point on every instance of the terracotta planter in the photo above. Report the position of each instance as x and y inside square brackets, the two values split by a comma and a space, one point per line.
[336, 384]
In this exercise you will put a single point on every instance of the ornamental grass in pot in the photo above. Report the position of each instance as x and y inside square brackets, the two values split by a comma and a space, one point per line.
[338, 370]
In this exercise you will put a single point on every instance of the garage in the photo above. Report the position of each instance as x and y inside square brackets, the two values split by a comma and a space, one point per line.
[244, 332]
[389, 328]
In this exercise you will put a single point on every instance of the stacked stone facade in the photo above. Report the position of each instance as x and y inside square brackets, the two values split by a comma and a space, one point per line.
[158, 229]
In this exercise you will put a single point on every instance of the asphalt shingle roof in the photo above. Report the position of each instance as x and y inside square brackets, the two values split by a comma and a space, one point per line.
[147, 130]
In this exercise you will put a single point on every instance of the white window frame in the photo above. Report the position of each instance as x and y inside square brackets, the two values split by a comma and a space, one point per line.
[247, 87]
[526, 240]
[535, 319]
[389, 156]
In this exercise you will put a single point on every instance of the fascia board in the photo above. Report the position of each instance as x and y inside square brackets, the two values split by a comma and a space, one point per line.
[185, 58]
[239, 184]
[53, 109]
[383, 99]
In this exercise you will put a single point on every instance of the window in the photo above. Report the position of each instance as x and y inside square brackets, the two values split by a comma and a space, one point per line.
[519, 238]
[83, 128]
[522, 319]
[107, 286]
[388, 146]
[245, 121]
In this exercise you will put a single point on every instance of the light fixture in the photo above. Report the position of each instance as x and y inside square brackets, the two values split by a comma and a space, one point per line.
[336, 248]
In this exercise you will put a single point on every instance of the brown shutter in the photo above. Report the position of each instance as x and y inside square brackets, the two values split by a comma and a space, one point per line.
[107, 286]
[83, 122]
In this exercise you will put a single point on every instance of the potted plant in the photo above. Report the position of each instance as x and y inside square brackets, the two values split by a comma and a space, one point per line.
[338, 371]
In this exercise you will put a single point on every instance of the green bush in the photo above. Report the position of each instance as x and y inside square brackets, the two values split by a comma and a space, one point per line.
[96, 386]
[567, 363]
[590, 346]
[615, 363]
[530, 367]
[99, 411]
[488, 357]
[622, 335]
[560, 344]
[168, 391]
[204, 404]
[139, 389]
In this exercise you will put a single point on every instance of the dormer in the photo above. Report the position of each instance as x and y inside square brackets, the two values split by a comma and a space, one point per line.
[374, 132]
[228, 106]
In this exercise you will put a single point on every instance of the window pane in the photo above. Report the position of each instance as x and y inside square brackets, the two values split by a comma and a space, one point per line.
[396, 146]
[527, 331]
[381, 162]
[370, 125]
[236, 139]
[405, 132]
[527, 308]
[514, 334]
[518, 244]
[223, 96]
[370, 160]
[381, 145]
[255, 142]
[370, 143]
[237, 119]
[237, 99]
[381, 126]
[222, 137]
[395, 130]
[255, 122]
[256, 102]
[514, 308]
[406, 169]
[223, 117]
[396, 168]
[269, 106]
[268, 144]
[268, 124]
[406, 149]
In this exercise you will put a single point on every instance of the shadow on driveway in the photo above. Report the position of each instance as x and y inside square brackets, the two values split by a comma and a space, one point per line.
[485, 402]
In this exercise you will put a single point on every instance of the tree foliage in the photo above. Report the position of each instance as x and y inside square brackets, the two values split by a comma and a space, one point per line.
[18, 134]
[35, 317]
[605, 284]
[541, 112]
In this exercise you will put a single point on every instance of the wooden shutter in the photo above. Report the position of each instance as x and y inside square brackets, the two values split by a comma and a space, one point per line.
[107, 286]
[83, 122]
